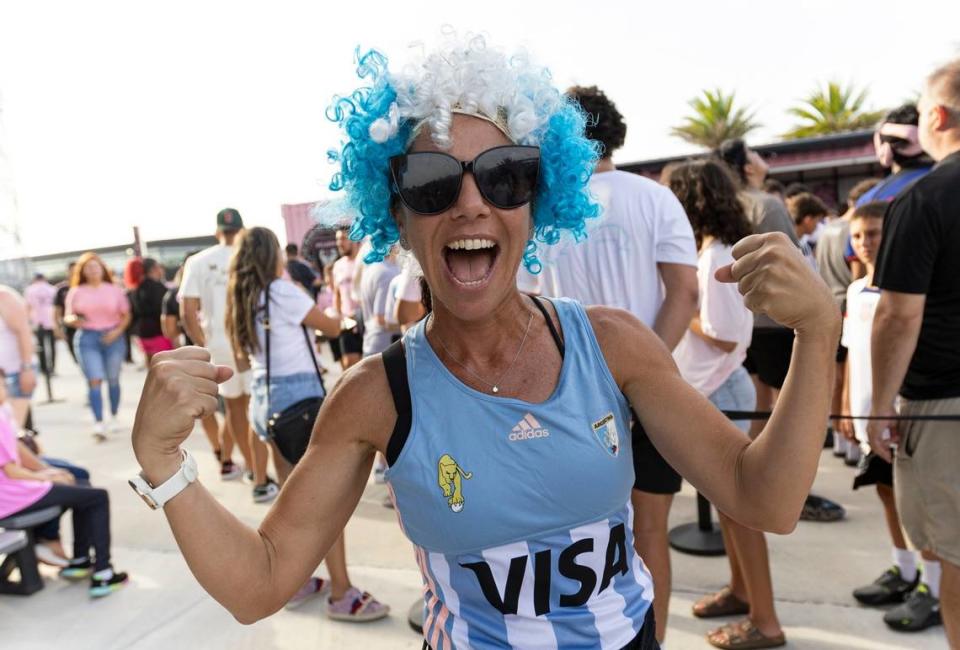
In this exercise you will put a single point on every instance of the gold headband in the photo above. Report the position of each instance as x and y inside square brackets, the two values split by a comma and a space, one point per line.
[500, 121]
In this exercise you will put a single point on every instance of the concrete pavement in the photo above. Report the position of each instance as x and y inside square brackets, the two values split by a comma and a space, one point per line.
[814, 569]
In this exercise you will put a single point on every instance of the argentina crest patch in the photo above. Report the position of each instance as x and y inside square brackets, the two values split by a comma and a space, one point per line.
[605, 431]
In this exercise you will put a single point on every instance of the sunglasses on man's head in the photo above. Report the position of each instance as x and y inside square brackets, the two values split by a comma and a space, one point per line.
[428, 182]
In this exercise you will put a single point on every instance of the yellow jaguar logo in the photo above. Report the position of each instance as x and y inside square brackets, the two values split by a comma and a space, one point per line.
[450, 474]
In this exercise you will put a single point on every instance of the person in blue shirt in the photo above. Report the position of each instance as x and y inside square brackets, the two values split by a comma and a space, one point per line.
[897, 144]
[504, 418]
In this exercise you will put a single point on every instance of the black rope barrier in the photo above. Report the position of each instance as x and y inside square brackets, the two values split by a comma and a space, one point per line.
[763, 415]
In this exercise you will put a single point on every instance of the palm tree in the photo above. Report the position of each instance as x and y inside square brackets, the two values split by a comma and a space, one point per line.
[833, 109]
[714, 120]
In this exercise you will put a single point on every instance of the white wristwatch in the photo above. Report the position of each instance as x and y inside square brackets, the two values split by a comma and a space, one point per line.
[156, 497]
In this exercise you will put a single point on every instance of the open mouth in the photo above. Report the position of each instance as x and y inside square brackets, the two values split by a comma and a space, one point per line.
[471, 261]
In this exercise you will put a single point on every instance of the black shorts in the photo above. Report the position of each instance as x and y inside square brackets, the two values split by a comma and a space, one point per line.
[335, 348]
[873, 470]
[350, 342]
[652, 472]
[768, 356]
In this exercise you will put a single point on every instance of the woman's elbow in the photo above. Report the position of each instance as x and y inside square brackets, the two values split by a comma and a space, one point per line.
[248, 614]
[773, 519]
[780, 520]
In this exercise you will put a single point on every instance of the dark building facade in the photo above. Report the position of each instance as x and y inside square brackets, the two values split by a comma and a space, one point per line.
[829, 164]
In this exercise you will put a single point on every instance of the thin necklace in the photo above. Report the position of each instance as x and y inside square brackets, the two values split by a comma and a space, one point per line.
[494, 387]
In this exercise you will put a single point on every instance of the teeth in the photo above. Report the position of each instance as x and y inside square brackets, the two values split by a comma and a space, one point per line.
[470, 244]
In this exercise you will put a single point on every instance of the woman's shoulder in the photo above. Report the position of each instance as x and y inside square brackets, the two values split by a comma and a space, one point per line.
[717, 254]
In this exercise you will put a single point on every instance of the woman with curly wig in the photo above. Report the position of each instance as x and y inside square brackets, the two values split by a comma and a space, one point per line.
[710, 357]
[503, 417]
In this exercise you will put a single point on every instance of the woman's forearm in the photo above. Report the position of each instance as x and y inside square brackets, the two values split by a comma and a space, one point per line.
[21, 473]
[777, 469]
[28, 459]
[229, 559]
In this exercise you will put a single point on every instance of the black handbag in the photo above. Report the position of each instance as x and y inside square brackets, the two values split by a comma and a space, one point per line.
[291, 428]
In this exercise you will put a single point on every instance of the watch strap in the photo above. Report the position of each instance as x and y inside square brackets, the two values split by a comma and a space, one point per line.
[157, 497]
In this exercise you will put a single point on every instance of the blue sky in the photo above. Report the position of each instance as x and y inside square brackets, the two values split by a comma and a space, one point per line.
[119, 114]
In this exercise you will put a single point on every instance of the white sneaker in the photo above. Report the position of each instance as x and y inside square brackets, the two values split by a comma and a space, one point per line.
[98, 432]
[266, 493]
[114, 426]
[46, 555]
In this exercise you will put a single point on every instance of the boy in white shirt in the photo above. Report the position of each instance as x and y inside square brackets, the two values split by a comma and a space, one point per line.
[897, 582]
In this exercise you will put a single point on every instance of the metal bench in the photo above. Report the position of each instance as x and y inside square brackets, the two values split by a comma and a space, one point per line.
[17, 544]
[12, 541]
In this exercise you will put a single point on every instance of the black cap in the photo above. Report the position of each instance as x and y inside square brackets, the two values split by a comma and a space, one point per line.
[229, 219]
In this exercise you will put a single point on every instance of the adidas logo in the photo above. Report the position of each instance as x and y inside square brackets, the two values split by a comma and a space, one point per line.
[527, 429]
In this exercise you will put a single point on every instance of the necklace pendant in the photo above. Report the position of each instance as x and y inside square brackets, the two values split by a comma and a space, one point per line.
[496, 390]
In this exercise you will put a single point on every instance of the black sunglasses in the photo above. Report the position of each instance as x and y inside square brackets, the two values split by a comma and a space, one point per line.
[428, 182]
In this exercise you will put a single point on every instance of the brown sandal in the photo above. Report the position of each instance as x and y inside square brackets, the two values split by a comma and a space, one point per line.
[722, 603]
[743, 635]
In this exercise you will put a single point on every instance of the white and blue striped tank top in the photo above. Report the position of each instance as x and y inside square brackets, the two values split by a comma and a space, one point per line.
[520, 512]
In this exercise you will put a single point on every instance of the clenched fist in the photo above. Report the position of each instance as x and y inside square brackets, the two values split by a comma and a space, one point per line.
[180, 388]
[776, 280]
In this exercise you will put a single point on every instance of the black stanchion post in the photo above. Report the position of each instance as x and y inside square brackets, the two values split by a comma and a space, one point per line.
[46, 379]
[700, 537]
[415, 617]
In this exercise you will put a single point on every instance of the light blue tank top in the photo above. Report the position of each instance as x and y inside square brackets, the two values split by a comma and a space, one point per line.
[520, 512]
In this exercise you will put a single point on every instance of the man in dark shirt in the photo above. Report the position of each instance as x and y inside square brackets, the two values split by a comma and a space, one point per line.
[299, 271]
[148, 303]
[60, 329]
[916, 353]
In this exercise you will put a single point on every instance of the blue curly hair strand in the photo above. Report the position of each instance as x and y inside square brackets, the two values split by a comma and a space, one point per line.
[379, 121]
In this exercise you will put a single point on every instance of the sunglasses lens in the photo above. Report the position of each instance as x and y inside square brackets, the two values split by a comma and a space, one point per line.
[428, 182]
[507, 176]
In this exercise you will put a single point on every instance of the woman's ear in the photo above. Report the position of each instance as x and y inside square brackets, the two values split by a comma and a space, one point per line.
[396, 211]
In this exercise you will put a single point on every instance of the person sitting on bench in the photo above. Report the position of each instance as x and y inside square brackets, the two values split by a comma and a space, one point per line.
[24, 490]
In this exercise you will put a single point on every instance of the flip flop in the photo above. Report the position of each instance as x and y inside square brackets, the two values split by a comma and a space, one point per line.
[722, 603]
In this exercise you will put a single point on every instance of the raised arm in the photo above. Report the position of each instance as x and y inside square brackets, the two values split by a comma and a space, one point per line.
[763, 483]
[254, 572]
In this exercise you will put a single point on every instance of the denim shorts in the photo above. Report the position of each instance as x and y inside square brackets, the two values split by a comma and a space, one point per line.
[284, 391]
[736, 394]
[13, 385]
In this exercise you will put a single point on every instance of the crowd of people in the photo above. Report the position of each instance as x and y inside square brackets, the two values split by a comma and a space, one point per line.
[531, 303]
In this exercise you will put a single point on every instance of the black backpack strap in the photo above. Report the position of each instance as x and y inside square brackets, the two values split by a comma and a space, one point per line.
[395, 364]
[553, 329]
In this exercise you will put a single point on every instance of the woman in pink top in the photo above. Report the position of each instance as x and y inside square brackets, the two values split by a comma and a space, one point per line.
[27, 485]
[101, 312]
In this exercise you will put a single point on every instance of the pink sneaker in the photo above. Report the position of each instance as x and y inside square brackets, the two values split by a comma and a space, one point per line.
[357, 606]
[313, 587]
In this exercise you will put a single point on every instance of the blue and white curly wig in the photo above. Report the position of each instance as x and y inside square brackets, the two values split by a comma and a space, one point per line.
[381, 119]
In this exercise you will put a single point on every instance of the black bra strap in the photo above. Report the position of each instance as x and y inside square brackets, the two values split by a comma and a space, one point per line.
[395, 363]
[553, 329]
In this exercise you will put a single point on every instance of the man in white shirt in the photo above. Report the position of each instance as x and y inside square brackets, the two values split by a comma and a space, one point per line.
[203, 298]
[640, 255]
